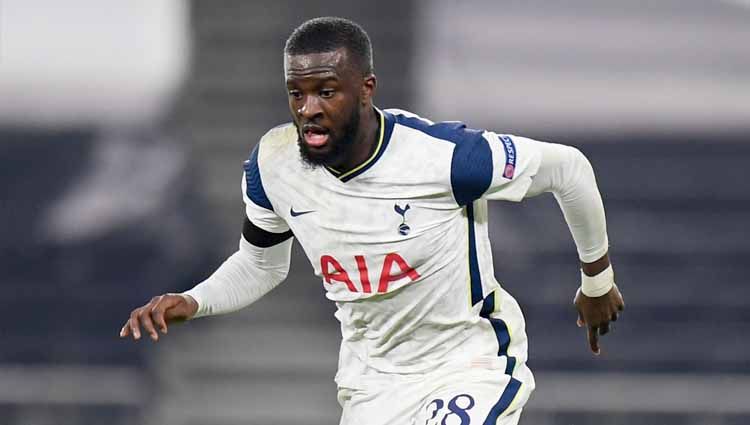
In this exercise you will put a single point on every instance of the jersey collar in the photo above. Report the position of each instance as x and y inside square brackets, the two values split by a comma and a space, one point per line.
[387, 122]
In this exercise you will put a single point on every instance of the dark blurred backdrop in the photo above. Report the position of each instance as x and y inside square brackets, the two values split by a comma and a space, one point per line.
[123, 127]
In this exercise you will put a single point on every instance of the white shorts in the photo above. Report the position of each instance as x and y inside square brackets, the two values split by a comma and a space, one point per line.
[467, 396]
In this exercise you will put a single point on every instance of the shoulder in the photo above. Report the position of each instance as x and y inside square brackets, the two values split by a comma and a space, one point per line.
[277, 141]
[470, 156]
[273, 148]
[268, 154]
[455, 132]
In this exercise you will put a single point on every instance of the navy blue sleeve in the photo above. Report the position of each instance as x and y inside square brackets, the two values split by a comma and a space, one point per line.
[255, 191]
[471, 167]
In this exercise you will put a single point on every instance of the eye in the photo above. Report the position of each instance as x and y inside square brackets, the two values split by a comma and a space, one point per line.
[327, 93]
[295, 94]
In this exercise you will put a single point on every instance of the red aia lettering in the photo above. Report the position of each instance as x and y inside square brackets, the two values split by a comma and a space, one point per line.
[386, 276]
[332, 270]
[363, 273]
[338, 274]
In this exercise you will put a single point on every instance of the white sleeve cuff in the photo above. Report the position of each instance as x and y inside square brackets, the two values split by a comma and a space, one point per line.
[596, 286]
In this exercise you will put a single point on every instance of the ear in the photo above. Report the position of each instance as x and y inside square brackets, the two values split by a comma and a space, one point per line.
[369, 85]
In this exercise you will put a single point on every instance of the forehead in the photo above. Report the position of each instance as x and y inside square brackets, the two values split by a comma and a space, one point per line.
[325, 64]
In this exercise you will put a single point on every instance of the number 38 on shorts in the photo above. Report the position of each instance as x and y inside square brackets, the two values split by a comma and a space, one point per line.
[466, 409]
[453, 411]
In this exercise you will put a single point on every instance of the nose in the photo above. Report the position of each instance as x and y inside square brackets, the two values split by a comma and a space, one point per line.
[310, 107]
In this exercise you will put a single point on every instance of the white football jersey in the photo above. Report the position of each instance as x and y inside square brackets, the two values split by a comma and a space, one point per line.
[401, 241]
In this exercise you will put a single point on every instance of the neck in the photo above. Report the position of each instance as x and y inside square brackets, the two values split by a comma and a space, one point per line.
[365, 142]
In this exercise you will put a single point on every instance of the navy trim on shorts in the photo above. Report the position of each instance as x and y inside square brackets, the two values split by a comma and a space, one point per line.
[506, 398]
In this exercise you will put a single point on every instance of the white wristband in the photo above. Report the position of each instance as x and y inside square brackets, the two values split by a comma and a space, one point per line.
[596, 286]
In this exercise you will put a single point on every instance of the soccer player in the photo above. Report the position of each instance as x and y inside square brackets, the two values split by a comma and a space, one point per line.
[391, 210]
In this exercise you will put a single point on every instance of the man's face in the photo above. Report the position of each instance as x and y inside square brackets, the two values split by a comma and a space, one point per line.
[324, 92]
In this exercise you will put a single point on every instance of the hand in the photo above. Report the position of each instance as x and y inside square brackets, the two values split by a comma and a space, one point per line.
[160, 311]
[596, 313]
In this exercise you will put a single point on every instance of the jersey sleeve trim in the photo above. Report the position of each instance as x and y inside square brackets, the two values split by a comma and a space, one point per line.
[471, 169]
[254, 190]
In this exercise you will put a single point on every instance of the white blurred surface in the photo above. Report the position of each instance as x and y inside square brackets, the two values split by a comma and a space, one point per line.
[585, 65]
[86, 62]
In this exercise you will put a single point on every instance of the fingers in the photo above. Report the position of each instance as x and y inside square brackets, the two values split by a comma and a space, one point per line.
[598, 314]
[157, 315]
[134, 325]
[153, 317]
[125, 331]
[593, 337]
[159, 310]
[141, 318]
[148, 323]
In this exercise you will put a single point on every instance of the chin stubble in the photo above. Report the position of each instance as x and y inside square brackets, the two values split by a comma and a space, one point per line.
[341, 147]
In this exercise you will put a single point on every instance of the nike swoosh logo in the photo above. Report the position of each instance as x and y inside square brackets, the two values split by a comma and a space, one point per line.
[298, 213]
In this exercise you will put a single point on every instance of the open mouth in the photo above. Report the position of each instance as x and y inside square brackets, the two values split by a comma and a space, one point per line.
[315, 135]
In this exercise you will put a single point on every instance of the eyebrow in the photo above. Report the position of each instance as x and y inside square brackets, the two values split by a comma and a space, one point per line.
[321, 81]
[321, 68]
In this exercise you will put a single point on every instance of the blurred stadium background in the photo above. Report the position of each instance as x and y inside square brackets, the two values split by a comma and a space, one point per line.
[123, 127]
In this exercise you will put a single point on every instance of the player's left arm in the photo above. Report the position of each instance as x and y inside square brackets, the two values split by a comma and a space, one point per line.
[568, 175]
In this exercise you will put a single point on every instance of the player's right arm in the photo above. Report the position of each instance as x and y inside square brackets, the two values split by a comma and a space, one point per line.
[259, 265]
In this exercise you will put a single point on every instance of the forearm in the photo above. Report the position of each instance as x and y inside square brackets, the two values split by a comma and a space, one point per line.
[567, 174]
[243, 278]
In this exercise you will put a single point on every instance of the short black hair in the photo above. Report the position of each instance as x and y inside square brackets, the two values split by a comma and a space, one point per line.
[327, 34]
